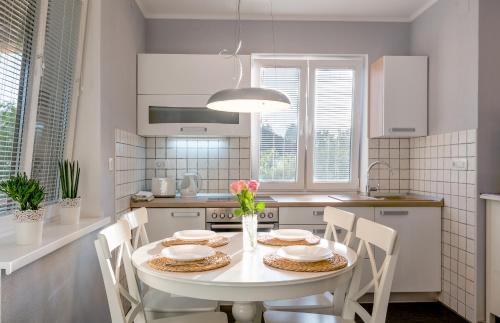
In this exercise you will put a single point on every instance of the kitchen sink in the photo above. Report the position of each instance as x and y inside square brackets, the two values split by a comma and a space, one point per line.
[392, 197]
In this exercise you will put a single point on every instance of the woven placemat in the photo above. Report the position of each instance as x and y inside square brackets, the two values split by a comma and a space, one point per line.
[331, 264]
[270, 241]
[216, 261]
[215, 242]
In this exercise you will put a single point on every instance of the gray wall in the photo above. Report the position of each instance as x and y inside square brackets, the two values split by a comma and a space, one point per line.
[209, 37]
[489, 119]
[447, 33]
[63, 287]
[123, 33]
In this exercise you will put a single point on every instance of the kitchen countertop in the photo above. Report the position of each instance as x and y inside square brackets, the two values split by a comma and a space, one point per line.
[282, 200]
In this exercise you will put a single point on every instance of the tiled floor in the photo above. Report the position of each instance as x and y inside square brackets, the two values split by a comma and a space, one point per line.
[407, 313]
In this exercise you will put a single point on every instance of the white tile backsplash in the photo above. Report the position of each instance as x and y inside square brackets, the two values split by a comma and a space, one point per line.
[217, 160]
[130, 168]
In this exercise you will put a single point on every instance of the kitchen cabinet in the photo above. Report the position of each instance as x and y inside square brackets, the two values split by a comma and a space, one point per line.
[184, 74]
[419, 229]
[164, 222]
[173, 91]
[398, 97]
[419, 263]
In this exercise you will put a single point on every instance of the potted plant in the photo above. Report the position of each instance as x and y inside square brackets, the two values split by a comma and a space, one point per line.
[69, 207]
[245, 194]
[29, 194]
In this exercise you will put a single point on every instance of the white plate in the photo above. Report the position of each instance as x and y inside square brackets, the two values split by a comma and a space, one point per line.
[304, 253]
[187, 252]
[291, 234]
[194, 235]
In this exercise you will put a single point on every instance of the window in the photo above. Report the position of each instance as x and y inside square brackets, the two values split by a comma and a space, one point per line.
[36, 91]
[314, 145]
[56, 92]
[17, 30]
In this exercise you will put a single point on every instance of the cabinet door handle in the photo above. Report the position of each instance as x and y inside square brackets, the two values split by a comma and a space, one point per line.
[402, 129]
[185, 214]
[318, 213]
[397, 212]
[194, 129]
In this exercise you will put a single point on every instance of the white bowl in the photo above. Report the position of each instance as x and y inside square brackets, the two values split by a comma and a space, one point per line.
[304, 253]
[291, 234]
[194, 235]
[187, 252]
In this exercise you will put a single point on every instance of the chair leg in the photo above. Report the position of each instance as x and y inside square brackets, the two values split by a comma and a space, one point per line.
[339, 295]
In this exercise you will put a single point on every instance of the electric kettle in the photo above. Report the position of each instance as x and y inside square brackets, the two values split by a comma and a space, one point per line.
[190, 185]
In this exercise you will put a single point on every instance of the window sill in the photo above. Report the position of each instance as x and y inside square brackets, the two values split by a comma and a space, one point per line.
[55, 236]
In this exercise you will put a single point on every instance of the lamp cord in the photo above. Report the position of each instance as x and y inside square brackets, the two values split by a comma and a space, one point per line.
[235, 54]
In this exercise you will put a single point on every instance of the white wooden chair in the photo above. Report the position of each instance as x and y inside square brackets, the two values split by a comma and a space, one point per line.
[116, 239]
[370, 234]
[158, 304]
[337, 220]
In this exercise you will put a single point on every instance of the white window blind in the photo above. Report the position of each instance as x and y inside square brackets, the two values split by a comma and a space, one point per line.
[17, 30]
[333, 120]
[279, 130]
[56, 92]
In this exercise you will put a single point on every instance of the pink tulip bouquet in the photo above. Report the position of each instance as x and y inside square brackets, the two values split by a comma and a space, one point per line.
[245, 193]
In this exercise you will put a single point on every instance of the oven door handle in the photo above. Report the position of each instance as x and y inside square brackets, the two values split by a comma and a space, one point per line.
[239, 226]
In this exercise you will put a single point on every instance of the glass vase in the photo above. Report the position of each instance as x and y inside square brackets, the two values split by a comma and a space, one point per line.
[249, 223]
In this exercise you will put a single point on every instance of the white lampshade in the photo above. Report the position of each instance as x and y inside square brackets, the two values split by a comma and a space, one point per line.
[248, 100]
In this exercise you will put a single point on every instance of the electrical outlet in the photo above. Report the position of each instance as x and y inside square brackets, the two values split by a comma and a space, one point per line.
[159, 164]
[459, 164]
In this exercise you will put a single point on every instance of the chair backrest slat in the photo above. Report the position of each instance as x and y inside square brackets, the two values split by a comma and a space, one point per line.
[337, 218]
[372, 234]
[115, 239]
[136, 220]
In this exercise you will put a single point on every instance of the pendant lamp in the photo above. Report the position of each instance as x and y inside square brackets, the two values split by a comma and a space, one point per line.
[247, 100]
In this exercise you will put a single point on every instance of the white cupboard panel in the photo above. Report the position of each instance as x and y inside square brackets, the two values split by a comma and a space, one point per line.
[419, 263]
[164, 222]
[189, 74]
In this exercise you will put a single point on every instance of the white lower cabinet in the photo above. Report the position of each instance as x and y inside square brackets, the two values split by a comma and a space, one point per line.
[419, 228]
[164, 222]
[419, 263]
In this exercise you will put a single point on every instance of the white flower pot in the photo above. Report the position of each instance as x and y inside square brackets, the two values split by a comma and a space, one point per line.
[69, 211]
[29, 226]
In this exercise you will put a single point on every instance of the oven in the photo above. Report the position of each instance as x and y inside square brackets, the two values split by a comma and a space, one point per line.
[224, 220]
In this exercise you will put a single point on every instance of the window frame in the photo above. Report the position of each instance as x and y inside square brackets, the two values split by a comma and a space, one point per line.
[356, 65]
[307, 64]
[256, 119]
[30, 114]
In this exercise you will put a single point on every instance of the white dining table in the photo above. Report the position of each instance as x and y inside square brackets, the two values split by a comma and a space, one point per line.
[247, 281]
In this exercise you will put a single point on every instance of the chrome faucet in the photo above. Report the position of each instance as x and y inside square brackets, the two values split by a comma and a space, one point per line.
[370, 189]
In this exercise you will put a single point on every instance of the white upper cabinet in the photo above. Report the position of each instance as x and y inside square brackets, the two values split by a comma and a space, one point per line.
[184, 74]
[173, 91]
[398, 97]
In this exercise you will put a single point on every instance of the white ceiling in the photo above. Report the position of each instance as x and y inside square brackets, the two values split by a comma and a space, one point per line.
[321, 10]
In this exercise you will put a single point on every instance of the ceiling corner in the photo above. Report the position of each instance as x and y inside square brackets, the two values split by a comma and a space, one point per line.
[422, 9]
[142, 7]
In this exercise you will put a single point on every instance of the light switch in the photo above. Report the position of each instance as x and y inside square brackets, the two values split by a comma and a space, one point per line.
[111, 164]
[459, 164]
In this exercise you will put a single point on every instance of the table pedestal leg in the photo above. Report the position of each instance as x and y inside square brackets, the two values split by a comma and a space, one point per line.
[244, 312]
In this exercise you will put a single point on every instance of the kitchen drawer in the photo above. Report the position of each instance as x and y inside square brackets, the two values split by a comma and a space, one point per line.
[164, 222]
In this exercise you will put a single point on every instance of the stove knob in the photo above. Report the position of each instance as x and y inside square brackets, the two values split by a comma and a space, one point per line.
[214, 215]
[262, 215]
[230, 216]
[222, 215]
[270, 215]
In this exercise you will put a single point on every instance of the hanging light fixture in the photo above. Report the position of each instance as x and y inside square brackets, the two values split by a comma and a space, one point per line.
[247, 100]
